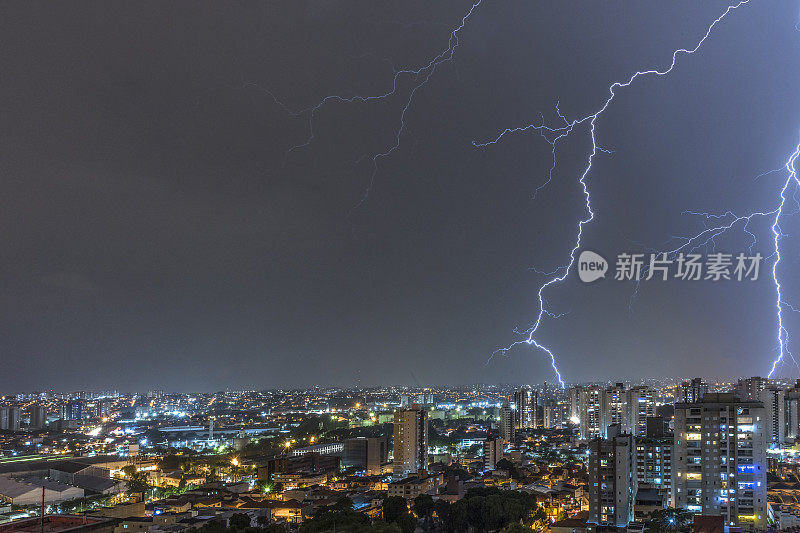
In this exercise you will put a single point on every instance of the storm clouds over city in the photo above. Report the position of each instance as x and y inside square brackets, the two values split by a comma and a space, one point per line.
[179, 212]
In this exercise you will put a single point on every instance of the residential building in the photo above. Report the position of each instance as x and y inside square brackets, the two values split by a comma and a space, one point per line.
[412, 486]
[492, 452]
[612, 479]
[410, 441]
[654, 464]
[508, 428]
[750, 388]
[38, 417]
[719, 459]
[640, 404]
[691, 391]
[525, 408]
[589, 413]
[775, 422]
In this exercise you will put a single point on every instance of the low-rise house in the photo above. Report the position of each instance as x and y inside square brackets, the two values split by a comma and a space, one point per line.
[411, 487]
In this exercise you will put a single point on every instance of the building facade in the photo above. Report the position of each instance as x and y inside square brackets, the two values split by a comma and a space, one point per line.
[719, 459]
[612, 479]
[508, 427]
[410, 441]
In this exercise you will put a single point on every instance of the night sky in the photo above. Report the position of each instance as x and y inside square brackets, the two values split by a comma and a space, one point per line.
[159, 232]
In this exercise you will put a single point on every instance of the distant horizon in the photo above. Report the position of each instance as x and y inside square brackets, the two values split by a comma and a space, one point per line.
[663, 380]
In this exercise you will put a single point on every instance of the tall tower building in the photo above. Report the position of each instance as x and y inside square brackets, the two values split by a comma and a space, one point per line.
[612, 479]
[792, 412]
[14, 418]
[640, 402]
[750, 388]
[591, 420]
[654, 461]
[550, 414]
[492, 452]
[38, 417]
[508, 428]
[574, 400]
[4, 414]
[720, 459]
[525, 403]
[613, 409]
[410, 441]
[691, 391]
[774, 401]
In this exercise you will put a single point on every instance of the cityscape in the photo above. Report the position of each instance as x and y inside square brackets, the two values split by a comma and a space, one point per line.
[342, 266]
[632, 456]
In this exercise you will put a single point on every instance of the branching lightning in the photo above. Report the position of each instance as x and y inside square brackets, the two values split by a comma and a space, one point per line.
[715, 225]
[419, 76]
[728, 220]
[553, 134]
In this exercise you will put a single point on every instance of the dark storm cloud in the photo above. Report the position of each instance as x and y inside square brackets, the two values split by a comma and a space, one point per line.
[159, 234]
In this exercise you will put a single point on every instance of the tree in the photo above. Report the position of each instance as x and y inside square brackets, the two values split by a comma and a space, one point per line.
[343, 504]
[407, 522]
[459, 516]
[670, 519]
[393, 507]
[487, 509]
[330, 519]
[423, 505]
[443, 512]
[136, 480]
[239, 521]
[382, 527]
[505, 464]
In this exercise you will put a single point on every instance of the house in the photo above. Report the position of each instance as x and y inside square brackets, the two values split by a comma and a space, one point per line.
[411, 487]
[570, 525]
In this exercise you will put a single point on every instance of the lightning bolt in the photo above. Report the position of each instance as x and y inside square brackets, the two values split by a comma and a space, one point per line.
[554, 134]
[731, 220]
[419, 78]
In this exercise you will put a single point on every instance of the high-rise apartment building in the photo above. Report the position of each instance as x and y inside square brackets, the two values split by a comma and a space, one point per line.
[640, 405]
[792, 411]
[10, 418]
[38, 417]
[72, 410]
[654, 463]
[719, 459]
[750, 388]
[613, 409]
[508, 428]
[612, 479]
[410, 441]
[601, 407]
[525, 404]
[574, 401]
[492, 452]
[691, 391]
[553, 414]
[589, 411]
[775, 421]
